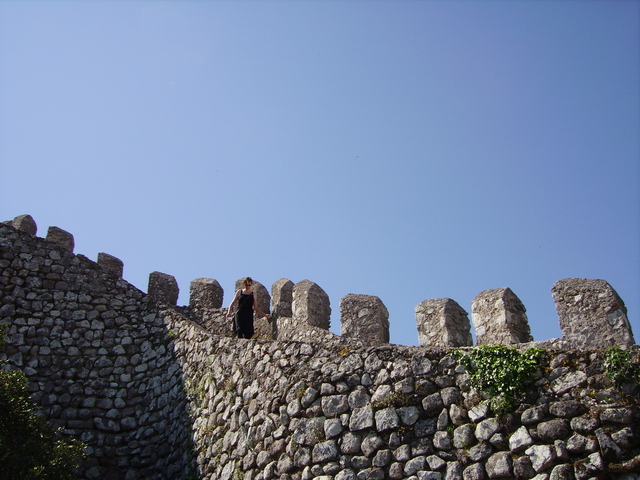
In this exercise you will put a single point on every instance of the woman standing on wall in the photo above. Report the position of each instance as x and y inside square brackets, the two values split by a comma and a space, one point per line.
[247, 303]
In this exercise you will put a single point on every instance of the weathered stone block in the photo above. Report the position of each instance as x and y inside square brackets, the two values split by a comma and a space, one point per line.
[359, 397]
[311, 304]
[567, 409]
[553, 430]
[480, 452]
[568, 381]
[386, 419]
[414, 465]
[61, 237]
[442, 440]
[435, 462]
[346, 474]
[382, 458]
[542, 457]
[463, 436]
[474, 472]
[580, 444]
[450, 395]
[325, 451]
[332, 427]
[610, 451]
[627, 438]
[616, 415]
[562, 472]
[443, 323]
[520, 440]
[396, 471]
[499, 465]
[408, 415]
[25, 223]
[361, 418]
[282, 297]
[499, 318]
[334, 405]
[454, 471]
[205, 293]
[591, 313]
[163, 288]
[371, 443]
[522, 467]
[350, 443]
[111, 263]
[479, 412]
[486, 429]
[432, 404]
[589, 467]
[365, 318]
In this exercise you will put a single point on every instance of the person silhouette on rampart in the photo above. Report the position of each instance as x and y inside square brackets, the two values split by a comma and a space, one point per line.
[247, 302]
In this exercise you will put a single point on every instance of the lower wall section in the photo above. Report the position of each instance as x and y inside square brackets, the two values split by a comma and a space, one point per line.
[289, 410]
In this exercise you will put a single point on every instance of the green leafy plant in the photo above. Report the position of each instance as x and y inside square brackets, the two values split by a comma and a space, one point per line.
[30, 448]
[501, 373]
[619, 366]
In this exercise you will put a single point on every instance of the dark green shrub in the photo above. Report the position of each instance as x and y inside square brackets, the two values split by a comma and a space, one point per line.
[30, 448]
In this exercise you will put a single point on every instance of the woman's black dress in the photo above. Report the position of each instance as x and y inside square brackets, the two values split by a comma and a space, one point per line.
[244, 316]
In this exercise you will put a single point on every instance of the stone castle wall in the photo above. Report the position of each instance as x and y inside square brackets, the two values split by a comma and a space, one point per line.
[291, 410]
[158, 391]
[98, 356]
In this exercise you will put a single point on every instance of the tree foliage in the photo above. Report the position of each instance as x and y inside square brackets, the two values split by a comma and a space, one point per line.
[30, 448]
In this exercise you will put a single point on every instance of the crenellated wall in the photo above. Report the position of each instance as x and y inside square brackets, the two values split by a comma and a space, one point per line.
[164, 392]
[98, 356]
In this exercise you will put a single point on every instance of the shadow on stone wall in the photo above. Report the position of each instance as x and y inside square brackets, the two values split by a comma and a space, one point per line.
[98, 356]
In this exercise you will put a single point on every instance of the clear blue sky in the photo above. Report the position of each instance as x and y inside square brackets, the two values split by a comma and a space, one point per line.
[408, 150]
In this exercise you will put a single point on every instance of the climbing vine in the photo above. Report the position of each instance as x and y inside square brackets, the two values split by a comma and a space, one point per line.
[501, 373]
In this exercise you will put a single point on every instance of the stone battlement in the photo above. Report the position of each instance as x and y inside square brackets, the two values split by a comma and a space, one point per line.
[591, 313]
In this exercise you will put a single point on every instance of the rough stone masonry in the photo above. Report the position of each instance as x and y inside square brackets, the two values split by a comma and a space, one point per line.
[158, 391]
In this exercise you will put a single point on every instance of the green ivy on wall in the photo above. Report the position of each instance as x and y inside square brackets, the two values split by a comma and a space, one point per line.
[500, 373]
[620, 367]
